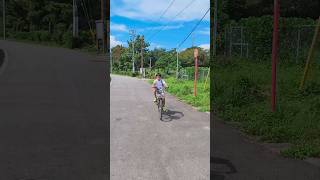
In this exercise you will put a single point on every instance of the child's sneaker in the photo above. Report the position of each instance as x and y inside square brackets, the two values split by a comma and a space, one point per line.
[165, 109]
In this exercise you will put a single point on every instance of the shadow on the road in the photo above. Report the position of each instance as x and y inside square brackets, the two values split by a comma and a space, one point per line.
[172, 115]
[219, 173]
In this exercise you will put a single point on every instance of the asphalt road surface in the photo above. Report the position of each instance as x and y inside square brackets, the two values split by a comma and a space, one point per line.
[143, 147]
[53, 118]
[236, 157]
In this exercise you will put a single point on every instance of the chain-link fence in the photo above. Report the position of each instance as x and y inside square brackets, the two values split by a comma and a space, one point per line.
[235, 43]
[188, 73]
[239, 41]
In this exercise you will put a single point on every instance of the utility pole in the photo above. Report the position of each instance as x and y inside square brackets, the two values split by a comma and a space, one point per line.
[275, 49]
[150, 62]
[103, 22]
[4, 18]
[142, 47]
[215, 27]
[75, 19]
[111, 62]
[177, 69]
[133, 36]
[102, 10]
[196, 53]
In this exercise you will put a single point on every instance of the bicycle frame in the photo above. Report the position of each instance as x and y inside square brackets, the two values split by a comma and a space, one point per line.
[160, 99]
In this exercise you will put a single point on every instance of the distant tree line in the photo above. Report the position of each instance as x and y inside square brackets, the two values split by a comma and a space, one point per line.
[158, 58]
[50, 20]
[237, 9]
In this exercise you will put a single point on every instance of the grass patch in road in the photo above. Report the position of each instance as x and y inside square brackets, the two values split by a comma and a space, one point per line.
[241, 93]
[184, 90]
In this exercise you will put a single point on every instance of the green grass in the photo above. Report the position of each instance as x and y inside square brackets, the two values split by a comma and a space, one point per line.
[184, 90]
[241, 93]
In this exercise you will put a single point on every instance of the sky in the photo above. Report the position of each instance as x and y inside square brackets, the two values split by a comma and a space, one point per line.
[161, 26]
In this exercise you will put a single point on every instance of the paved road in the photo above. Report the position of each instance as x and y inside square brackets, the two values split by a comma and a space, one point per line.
[52, 115]
[144, 148]
[238, 158]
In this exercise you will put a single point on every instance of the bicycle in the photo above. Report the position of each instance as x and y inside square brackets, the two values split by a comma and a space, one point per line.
[160, 99]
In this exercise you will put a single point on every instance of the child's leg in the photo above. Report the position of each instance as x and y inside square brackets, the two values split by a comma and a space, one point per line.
[154, 92]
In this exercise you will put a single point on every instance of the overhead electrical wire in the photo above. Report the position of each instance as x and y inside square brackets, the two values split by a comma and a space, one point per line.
[164, 12]
[194, 28]
[166, 25]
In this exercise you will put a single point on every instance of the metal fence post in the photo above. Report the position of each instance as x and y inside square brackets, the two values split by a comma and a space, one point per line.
[241, 39]
[225, 40]
[298, 45]
[230, 45]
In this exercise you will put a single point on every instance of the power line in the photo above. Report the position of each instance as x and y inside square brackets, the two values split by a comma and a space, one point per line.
[194, 28]
[86, 13]
[165, 11]
[188, 5]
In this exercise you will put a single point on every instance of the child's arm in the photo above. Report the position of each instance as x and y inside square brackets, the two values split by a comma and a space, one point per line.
[154, 83]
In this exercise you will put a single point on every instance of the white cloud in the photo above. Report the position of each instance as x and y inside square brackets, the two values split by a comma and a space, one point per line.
[205, 31]
[114, 42]
[118, 27]
[154, 46]
[205, 46]
[168, 27]
[152, 9]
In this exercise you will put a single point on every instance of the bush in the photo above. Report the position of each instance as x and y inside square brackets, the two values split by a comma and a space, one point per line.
[69, 41]
[45, 36]
[85, 38]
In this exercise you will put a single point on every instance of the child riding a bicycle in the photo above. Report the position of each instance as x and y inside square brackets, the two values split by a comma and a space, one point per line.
[159, 84]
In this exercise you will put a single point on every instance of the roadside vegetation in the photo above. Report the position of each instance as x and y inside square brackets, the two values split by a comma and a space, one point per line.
[241, 80]
[242, 95]
[49, 22]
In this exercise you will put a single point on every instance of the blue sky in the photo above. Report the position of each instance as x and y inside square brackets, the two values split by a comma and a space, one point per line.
[167, 31]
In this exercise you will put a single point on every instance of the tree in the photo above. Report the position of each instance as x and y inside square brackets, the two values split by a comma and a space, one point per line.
[117, 51]
[167, 61]
[186, 57]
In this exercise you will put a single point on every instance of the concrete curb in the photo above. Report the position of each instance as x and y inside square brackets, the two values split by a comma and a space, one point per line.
[5, 61]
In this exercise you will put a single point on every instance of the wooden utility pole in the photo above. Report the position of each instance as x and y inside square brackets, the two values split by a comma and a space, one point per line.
[215, 27]
[102, 9]
[196, 53]
[275, 50]
[142, 48]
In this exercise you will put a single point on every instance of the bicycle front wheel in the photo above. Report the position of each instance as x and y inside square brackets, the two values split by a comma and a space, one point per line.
[160, 108]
